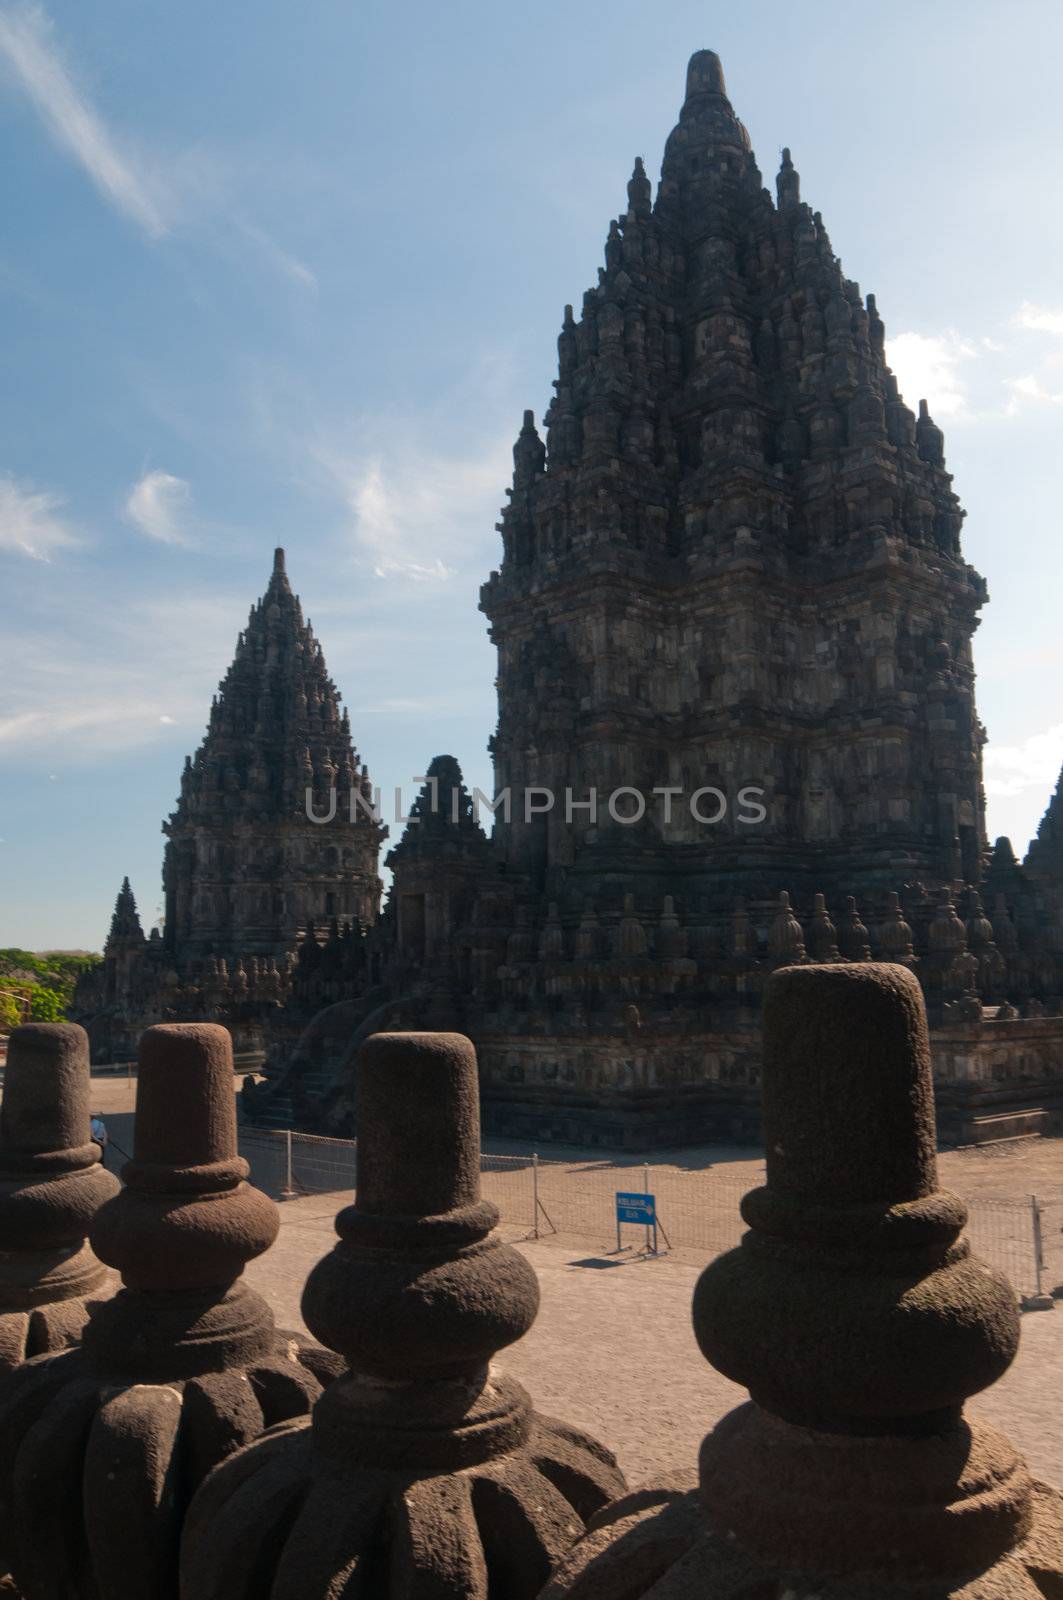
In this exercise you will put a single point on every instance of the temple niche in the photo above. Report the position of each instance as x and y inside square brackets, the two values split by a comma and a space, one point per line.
[248, 877]
[736, 726]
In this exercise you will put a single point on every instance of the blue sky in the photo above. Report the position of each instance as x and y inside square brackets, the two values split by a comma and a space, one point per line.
[288, 275]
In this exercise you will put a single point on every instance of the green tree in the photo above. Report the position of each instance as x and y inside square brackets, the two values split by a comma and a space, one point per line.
[10, 1012]
[47, 1005]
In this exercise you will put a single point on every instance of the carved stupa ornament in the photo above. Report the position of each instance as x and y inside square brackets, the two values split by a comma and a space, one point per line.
[101, 1447]
[858, 1319]
[425, 1472]
[786, 942]
[52, 1184]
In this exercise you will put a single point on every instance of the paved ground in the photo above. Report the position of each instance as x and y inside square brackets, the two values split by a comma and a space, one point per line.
[613, 1349]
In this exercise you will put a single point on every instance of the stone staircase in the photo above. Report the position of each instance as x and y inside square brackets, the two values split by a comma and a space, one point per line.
[314, 1080]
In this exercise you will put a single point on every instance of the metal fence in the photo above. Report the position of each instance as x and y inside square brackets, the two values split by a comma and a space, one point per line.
[697, 1210]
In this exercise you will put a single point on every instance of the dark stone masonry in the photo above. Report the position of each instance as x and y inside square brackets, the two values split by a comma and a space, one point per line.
[737, 729]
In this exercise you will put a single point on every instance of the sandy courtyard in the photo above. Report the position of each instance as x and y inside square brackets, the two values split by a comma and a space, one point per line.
[613, 1350]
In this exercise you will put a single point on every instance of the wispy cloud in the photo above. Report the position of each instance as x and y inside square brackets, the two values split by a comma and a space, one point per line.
[927, 367]
[157, 504]
[287, 264]
[158, 195]
[28, 44]
[89, 694]
[30, 520]
[414, 514]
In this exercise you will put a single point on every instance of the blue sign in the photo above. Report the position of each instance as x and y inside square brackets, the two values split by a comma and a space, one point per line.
[637, 1208]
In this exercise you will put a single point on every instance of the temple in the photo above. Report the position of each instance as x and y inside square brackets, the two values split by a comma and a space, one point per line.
[736, 727]
[247, 875]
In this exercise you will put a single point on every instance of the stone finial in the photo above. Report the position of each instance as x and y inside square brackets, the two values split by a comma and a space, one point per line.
[705, 74]
[853, 937]
[787, 183]
[424, 1468]
[786, 942]
[671, 943]
[588, 936]
[179, 1369]
[822, 934]
[946, 934]
[856, 1316]
[929, 438]
[51, 1186]
[639, 191]
[895, 934]
[529, 454]
[630, 934]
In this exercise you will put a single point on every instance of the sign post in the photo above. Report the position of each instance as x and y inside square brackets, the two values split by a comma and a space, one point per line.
[640, 1209]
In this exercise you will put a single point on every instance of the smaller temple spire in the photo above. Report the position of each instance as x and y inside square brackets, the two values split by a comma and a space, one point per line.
[930, 441]
[787, 183]
[529, 454]
[639, 190]
[125, 920]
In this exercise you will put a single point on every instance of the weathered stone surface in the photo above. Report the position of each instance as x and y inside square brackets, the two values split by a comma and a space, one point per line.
[856, 1316]
[102, 1447]
[51, 1186]
[424, 1471]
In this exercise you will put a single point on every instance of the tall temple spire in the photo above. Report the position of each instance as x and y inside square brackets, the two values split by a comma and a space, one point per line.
[724, 398]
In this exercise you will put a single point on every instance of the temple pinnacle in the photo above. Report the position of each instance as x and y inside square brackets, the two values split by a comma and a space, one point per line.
[705, 74]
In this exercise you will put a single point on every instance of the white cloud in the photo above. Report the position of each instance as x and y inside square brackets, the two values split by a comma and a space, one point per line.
[1038, 319]
[29, 521]
[927, 368]
[157, 505]
[1030, 387]
[28, 45]
[416, 515]
[1033, 762]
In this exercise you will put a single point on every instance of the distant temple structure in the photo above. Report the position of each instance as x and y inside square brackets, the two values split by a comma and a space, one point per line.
[247, 876]
[736, 731]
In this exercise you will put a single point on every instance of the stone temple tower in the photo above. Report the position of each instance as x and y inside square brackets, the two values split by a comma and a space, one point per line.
[245, 871]
[735, 562]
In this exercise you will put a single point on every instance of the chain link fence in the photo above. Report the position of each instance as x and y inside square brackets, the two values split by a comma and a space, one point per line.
[697, 1211]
